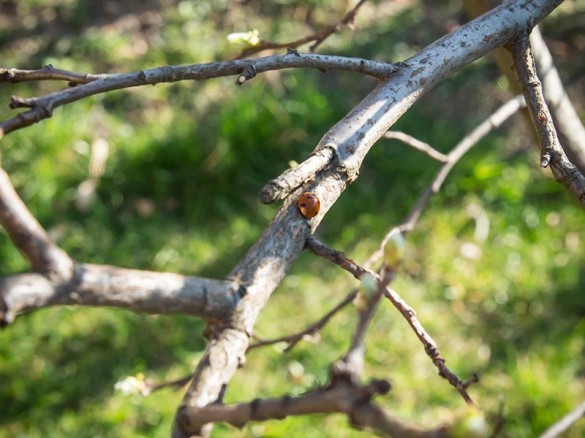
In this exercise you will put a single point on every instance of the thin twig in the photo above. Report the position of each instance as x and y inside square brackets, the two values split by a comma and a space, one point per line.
[353, 400]
[175, 384]
[47, 73]
[565, 423]
[417, 144]
[470, 140]
[430, 346]
[312, 329]
[405, 310]
[492, 122]
[551, 151]
[316, 38]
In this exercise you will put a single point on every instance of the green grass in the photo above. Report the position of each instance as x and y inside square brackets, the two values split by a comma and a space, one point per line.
[494, 269]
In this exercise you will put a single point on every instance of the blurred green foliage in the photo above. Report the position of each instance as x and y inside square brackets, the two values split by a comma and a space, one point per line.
[494, 270]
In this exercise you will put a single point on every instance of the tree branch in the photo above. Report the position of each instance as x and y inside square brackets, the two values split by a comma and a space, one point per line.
[340, 397]
[492, 122]
[405, 310]
[42, 107]
[316, 38]
[551, 151]
[29, 236]
[295, 338]
[101, 285]
[47, 73]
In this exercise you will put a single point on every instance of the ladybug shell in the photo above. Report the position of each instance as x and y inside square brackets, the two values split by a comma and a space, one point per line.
[309, 204]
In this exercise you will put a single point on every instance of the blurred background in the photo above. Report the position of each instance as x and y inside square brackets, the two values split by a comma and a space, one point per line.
[167, 178]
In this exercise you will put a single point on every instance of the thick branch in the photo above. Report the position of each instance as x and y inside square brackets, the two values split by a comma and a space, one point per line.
[551, 151]
[100, 285]
[352, 400]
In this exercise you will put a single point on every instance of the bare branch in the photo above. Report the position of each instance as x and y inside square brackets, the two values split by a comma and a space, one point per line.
[550, 149]
[101, 285]
[418, 145]
[405, 310]
[565, 423]
[316, 38]
[312, 329]
[492, 122]
[47, 73]
[342, 397]
[566, 118]
[42, 107]
[430, 346]
[29, 236]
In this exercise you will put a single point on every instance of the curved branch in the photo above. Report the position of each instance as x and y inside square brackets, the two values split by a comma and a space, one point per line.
[340, 397]
[42, 107]
[102, 285]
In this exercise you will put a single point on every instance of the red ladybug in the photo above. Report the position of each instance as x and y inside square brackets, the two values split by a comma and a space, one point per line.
[309, 205]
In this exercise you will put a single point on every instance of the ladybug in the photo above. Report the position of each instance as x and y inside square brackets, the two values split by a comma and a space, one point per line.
[309, 205]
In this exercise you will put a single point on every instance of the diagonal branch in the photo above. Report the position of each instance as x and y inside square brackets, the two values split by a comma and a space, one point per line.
[566, 119]
[29, 236]
[551, 151]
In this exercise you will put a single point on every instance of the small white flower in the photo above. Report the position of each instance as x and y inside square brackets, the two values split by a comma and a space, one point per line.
[244, 39]
[132, 385]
